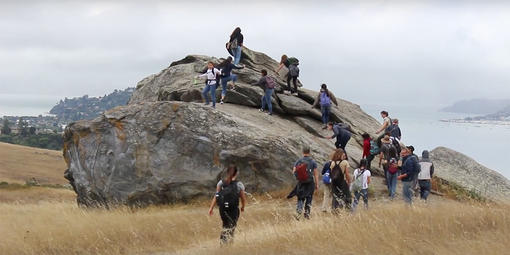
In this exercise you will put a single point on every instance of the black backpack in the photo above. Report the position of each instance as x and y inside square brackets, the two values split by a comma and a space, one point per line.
[337, 174]
[228, 196]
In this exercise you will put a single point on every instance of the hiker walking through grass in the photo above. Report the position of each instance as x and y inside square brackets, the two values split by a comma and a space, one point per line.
[425, 175]
[268, 84]
[360, 182]
[324, 99]
[235, 45]
[326, 180]
[408, 173]
[384, 156]
[340, 179]
[341, 133]
[305, 170]
[228, 193]
[210, 84]
[293, 73]
[226, 76]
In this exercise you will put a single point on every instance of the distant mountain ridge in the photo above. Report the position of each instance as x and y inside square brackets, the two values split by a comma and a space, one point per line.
[85, 107]
[479, 106]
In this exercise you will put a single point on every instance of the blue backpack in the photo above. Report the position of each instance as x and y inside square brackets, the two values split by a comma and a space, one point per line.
[326, 178]
[325, 100]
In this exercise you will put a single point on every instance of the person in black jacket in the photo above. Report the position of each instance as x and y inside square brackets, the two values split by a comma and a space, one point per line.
[226, 76]
[341, 133]
[235, 44]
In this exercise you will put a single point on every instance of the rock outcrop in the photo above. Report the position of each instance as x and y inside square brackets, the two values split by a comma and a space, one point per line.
[458, 168]
[166, 146]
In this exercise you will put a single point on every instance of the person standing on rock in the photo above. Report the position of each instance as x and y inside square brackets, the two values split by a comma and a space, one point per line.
[235, 45]
[425, 175]
[394, 130]
[210, 84]
[384, 155]
[340, 180]
[305, 170]
[226, 76]
[292, 65]
[384, 126]
[324, 98]
[268, 84]
[408, 173]
[341, 133]
[228, 193]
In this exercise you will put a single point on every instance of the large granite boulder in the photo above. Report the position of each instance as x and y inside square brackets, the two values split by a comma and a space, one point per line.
[458, 168]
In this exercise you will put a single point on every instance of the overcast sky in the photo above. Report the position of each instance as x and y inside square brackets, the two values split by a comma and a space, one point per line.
[423, 52]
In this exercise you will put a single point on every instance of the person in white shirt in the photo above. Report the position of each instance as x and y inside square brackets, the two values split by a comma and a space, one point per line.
[364, 174]
[210, 84]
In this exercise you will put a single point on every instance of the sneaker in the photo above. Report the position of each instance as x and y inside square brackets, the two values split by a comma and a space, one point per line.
[325, 127]
[221, 102]
[295, 94]
[270, 113]
[261, 110]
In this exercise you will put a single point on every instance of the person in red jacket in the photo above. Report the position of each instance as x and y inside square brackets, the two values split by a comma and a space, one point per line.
[366, 145]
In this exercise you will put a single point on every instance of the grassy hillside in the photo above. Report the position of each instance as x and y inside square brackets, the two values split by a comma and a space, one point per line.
[43, 220]
[19, 164]
[267, 227]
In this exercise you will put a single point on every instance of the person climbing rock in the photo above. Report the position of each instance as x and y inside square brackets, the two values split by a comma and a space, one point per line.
[325, 98]
[341, 133]
[292, 65]
[210, 85]
[227, 75]
[268, 84]
[228, 193]
[235, 45]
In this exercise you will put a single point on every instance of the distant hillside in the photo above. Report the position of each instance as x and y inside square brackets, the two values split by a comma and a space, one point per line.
[80, 108]
[19, 164]
[478, 106]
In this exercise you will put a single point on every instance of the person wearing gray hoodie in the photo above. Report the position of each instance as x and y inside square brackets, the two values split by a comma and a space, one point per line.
[425, 175]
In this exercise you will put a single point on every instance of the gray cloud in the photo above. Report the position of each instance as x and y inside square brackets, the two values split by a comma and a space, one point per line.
[418, 52]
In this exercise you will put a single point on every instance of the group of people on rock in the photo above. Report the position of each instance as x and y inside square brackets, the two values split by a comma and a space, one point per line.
[222, 74]
[341, 189]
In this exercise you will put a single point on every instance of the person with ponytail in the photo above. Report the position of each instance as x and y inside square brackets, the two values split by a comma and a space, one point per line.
[228, 193]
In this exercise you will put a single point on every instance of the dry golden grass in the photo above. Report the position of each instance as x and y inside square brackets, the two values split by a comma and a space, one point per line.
[20, 163]
[267, 227]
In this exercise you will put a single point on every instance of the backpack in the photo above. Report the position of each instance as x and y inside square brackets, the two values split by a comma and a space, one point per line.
[396, 144]
[337, 173]
[270, 82]
[304, 171]
[393, 166]
[374, 149]
[293, 71]
[326, 178]
[357, 185]
[293, 61]
[324, 99]
[228, 196]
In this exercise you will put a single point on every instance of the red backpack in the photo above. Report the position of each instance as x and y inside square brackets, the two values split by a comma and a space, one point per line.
[393, 167]
[304, 171]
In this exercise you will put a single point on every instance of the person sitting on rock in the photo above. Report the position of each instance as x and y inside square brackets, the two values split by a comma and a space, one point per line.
[228, 192]
[235, 45]
[268, 84]
[324, 98]
[226, 76]
[210, 84]
[341, 133]
[292, 66]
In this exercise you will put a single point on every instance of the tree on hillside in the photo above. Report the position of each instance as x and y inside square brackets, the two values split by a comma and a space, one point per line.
[22, 127]
[6, 130]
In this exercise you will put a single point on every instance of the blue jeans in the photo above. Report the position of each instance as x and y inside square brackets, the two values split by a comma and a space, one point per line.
[205, 93]
[237, 55]
[307, 203]
[266, 99]
[224, 81]
[391, 180]
[407, 191]
[325, 110]
[424, 188]
[357, 194]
